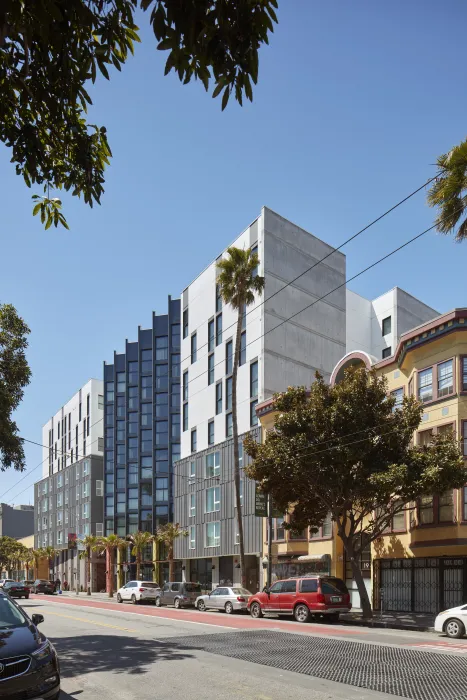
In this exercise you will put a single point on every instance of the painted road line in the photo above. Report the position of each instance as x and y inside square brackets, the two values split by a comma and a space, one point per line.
[91, 622]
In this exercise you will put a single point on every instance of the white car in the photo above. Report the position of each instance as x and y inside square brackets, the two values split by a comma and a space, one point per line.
[4, 580]
[452, 622]
[138, 592]
[228, 598]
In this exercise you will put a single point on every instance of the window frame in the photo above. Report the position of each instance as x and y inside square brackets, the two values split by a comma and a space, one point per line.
[218, 398]
[434, 381]
[216, 537]
[435, 507]
[193, 348]
[462, 386]
[211, 335]
[216, 499]
[211, 430]
[320, 536]
[388, 318]
[393, 391]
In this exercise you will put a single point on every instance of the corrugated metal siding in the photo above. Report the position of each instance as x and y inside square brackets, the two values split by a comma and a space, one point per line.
[184, 486]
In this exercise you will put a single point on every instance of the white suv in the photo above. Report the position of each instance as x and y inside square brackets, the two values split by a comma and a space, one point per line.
[139, 591]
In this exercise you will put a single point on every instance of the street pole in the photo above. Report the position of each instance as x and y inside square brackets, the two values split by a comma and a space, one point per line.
[269, 541]
[77, 570]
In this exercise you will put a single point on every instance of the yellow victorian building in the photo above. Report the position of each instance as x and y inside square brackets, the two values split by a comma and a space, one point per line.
[420, 565]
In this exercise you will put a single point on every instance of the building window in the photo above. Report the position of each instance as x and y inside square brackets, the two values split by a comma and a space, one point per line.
[253, 416]
[121, 382]
[185, 385]
[324, 531]
[146, 387]
[175, 335]
[228, 393]
[85, 510]
[254, 379]
[445, 378]
[211, 369]
[146, 467]
[175, 364]
[86, 486]
[109, 395]
[211, 432]
[213, 465]
[386, 325]
[464, 373]
[185, 323]
[132, 449]
[133, 373]
[185, 416]
[146, 360]
[192, 470]
[132, 500]
[146, 440]
[213, 534]
[162, 377]
[228, 425]
[436, 509]
[213, 502]
[425, 437]
[99, 487]
[398, 395]
[218, 329]
[240, 453]
[425, 385]
[121, 408]
[229, 357]
[175, 425]
[146, 495]
[278, 531]
[162, 432]
[192, 536]
[175, 398]
[162, 348]
[218, 398]
[211, 335]
[162, 489]
[446, 507]
[146, 412]
[242, 359]
[387, 352]
[194, 440]
[194, 348]
[192, 505]
[132, 424]
[88, 404]
[162, 461]
[218, 298]
[133, 397]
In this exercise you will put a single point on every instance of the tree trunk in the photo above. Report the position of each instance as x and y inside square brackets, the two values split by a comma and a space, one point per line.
[359, 580]
[88, 574]
[236, 451]
[170, 557]
[138, 565]
[110, 574]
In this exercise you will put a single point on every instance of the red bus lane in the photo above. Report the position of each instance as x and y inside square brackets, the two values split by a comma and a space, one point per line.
[214, 619]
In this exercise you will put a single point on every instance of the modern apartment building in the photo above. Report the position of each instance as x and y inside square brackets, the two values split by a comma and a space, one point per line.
[16, 521]
[142, 427]
[76, 430]
[287, 335]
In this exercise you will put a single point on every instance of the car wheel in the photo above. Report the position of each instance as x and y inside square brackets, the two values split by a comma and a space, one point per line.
[119, 598]
[454, 628]
[133, 599]
[255, 611]
[201, 605]
[177, 603]
[158, 602]
[229, 608]
[301, 613]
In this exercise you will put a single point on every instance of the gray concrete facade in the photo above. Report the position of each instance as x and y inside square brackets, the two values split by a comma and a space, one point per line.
[16, 521]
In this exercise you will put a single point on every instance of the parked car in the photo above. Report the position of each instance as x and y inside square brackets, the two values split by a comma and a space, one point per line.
[452, 622]
[16, 589]
[180, 594]
[325, 596]
[28, 661]
[227, 598]
[28, 584]
[4, 580]
[41, 585]
[139, 592]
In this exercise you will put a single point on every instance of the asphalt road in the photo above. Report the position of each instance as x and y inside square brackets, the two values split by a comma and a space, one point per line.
[124, 652]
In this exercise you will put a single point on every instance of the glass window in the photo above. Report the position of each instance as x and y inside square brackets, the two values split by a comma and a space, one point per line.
[211, 369]
[85, 510]
[279, 529]
[445, 378]
[146, 520]
[211, 432]
[121, 457]
[185, 323]
[132, 523]
[162, 374]
[192, 470]
[240, 453]
[146, 440]
[326, 527]
[146, 361]
[132, 373]
[146, 467]
[242, 359]
[464, 374]
[175, 400]
[218, 398]
[192, 536]
[398, 395]
[120, 406]
[194, 440]
[121, 382]
[213, 534]
[192, 505]
[254, 379]
[132, 424]
[146, 412]
[133, 398]
[132, 500]
[162, 489]
[109, 460]
[185, 416]
[228, 425]
[194, 348]
[426, 510]
[109, 395]
[109, 417]
[146, 494]
[146, 387]
[387, 352]
[253, 416]
[162, 348]
[386, 329]
[175, 364]
[309, 585]
[218, 329]
[162, 409]
[228, 393]
[211, 335]
[425, 437]
[229, 357]
[446, 507]
[120, 431]
[425, 385]
[133, 448]
[218, 298]
[175, 335]
[185, 385]
[162, 432]
[213, 503]
[213, 464]
[121, 478]
[175, 426]
[162, 461]
[398, 521]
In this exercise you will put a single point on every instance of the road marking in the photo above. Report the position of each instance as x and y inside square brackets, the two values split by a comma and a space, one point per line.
[91, 622]
[442, 646]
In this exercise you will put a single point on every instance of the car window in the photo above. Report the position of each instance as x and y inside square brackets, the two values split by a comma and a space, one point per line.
[333, 585]
[289, 586]
[276, 588]
[223, 591]
[166, 588]
[11, 615]
[241, 591]
[309, 585]
[215, 592]
[175, 587]
[193, 587]
[149, 584]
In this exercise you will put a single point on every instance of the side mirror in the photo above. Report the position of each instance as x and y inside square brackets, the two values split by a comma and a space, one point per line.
[37, 619]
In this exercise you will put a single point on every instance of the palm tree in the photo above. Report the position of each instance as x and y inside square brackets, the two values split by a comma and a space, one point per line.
[51, 554]
[109, 545]
[28, 559]
[37, 555]
[89, 543]
[167, 534]
[449, 192]
[140, 540]
[238, 283]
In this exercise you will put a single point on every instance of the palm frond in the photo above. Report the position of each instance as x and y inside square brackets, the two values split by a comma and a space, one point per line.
[449, 192]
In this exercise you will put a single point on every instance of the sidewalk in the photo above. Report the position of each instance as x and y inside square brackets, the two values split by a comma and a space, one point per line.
[417, 622]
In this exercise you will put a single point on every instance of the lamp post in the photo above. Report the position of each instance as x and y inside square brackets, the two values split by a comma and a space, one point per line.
[269, 541]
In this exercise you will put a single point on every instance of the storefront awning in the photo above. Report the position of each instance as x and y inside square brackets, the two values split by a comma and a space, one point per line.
[313, 557]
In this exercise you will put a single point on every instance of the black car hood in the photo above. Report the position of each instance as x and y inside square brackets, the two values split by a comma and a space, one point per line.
[19, 640]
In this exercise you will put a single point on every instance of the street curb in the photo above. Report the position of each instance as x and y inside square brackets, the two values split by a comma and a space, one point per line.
[380, 624]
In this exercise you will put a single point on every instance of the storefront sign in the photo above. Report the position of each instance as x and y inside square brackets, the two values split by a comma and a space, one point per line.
[72, 540]
[261, 505]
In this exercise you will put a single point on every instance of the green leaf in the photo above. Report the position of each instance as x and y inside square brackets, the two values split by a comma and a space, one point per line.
[36, 209]
[225, 98]
[103, 69]
[165, 44]
[218, 89]
[49, 223]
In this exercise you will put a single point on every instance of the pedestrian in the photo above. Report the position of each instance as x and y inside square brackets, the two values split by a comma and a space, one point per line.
[57, 584]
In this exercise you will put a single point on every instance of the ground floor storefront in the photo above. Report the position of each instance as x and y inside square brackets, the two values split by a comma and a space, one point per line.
[222, 571]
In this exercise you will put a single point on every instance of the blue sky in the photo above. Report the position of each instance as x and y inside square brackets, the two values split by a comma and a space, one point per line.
[354, 103]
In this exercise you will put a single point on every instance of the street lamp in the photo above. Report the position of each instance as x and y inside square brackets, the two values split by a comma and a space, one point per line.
[264, 562]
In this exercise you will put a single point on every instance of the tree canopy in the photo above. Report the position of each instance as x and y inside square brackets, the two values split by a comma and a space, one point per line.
[14, 376]
[344, 450]
[11, 551]
[51, 50]
[449, 192]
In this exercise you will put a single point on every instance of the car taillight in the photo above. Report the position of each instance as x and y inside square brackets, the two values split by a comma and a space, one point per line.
[240, 599]
[141, 590]
[320, 598]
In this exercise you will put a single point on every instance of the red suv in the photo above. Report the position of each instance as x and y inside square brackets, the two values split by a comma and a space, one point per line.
[303, 597]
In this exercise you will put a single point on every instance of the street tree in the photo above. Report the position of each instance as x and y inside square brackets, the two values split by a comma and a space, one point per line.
[51, 554]
[51, 50]
[89, 542]
[11, 551]
[109, 546]
[140, 540]
[37, 555]
[449, 192]
[238, 282]
[14, 376]
[344, 450]
[167, 535]
[28, 561]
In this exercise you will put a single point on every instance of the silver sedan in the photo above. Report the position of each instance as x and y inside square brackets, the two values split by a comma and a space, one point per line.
[230, 599]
